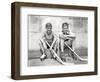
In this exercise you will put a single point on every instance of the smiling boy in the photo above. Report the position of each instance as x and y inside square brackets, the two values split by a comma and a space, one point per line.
[66, 37]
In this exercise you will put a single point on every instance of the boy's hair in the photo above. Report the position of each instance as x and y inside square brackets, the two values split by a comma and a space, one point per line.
[48, 24]
[65, 24]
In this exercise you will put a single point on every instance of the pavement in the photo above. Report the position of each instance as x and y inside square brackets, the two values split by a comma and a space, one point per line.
[34, 59]
[53, 62]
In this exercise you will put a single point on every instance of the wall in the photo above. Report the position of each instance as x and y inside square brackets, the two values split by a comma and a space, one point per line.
[77, 25]
[5, 40]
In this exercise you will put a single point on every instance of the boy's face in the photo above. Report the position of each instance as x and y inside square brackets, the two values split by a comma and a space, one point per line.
[65, 29]
[49, 29]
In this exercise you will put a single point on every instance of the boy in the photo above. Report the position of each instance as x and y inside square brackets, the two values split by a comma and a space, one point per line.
[48, 42]
[66, 37]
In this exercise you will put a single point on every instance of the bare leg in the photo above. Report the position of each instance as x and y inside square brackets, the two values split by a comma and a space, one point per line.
[62, 53]
[55, 45]
[42, 49]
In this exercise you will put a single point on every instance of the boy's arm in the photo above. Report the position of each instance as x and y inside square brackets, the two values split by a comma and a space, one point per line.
[70, 37]
[64, 37]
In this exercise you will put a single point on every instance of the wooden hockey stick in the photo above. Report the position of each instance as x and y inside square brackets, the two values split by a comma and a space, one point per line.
[75, 53]
[55, 54]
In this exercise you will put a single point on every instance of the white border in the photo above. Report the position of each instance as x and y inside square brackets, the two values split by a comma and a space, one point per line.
[35, 70]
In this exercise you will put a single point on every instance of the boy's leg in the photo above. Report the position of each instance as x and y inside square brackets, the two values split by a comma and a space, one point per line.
[62, 53]
[55, 49]
[43, 47]
[70, 44]
[62, 45]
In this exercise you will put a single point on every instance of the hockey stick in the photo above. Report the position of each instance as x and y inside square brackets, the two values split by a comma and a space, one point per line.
[55, 54]
[75, 53]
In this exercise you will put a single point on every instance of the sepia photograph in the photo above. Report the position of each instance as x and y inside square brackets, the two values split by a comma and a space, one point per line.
[57, 40]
